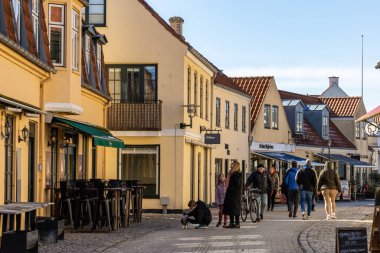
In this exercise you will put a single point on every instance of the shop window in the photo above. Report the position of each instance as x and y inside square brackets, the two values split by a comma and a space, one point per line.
[56, 33]
[142, 163]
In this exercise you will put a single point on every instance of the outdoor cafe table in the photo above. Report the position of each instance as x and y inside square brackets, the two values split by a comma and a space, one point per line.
[10, 211]
[116, 206]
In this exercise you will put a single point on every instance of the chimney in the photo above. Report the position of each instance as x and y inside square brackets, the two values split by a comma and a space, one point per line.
[176, 23]
[333, 80]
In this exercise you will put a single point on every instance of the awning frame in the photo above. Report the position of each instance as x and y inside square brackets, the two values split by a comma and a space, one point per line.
[355, 166]
[303, 162]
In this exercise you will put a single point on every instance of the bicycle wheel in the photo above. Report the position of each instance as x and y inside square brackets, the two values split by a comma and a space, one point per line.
[253, 210]
[243, 209]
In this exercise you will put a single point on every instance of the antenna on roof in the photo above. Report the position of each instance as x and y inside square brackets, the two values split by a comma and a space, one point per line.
[362, 66]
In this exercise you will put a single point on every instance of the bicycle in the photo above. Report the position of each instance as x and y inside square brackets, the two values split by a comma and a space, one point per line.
[249, 204]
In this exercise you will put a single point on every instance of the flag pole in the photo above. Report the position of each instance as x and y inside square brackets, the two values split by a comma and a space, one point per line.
[362, 67]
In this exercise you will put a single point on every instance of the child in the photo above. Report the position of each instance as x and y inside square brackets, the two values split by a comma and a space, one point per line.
[220, 193]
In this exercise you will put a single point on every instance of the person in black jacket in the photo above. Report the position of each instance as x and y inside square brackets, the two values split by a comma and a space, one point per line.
[306, 179]
[231, 205]
[261, 180]
[199, 214]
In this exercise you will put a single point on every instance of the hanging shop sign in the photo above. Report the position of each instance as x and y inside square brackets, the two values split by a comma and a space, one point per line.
[212, 138]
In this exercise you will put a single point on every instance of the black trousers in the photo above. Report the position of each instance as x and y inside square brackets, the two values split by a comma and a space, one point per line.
[294, 200]
[235, 219]
[271, 199]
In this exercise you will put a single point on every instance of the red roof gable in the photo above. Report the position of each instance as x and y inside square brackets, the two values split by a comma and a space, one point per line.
[342, 106]
[257, 88]
[224, 80]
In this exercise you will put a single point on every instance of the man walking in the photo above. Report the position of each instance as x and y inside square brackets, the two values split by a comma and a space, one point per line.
[306, 179]
[293, 190]
[260, 179]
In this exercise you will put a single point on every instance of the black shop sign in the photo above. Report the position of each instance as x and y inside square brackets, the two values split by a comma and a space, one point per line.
[351, 239]
[212, 138]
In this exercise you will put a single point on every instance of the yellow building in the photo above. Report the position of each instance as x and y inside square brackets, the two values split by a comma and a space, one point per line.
[24, 66]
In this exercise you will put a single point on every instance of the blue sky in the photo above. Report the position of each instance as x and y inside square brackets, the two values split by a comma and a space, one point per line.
[301, 43]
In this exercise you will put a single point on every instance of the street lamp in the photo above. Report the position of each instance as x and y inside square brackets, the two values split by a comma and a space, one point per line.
[191, 109]
[329, 144]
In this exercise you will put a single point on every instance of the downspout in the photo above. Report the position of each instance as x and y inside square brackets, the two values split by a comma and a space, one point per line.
[211, 123]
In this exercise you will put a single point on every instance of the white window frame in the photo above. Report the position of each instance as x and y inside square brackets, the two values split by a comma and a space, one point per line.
[243, 118]
[358, 130]
[267, 116]
[87, 55]
[325, 126]
[236, 116]
[75, 39]
[227, 115]
[299, 121]
[275, 117]
[35, 21]
[60, 25]
[18, 18]
[99, 60]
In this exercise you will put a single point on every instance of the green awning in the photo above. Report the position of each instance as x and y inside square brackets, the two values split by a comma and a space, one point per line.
[101, 137]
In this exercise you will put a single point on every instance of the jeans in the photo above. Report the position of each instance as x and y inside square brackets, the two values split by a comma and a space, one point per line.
[294, 199]
[262, 201]
[308, 197]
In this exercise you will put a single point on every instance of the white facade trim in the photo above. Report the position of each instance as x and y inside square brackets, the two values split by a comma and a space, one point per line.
[63, 107]
[272, 147]
[168, 132]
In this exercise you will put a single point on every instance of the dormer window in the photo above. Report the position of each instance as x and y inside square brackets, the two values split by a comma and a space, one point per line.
[95, 13]
[35, 14]
[16, 5]
[99, 60]
[87, 45]
[299, 121]
[325, 125]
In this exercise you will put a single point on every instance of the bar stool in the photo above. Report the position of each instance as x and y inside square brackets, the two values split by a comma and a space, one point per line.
[102, 212]
[84, 213]
[67, 202]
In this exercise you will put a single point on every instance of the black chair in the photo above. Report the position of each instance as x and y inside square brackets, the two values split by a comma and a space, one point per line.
[102, 214]
[66, 203]
[83, 211]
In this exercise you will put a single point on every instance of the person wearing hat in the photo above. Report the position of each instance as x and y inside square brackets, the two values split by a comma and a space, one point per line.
[261, 180]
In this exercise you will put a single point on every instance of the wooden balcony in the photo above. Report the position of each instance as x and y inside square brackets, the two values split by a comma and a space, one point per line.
[145, 116]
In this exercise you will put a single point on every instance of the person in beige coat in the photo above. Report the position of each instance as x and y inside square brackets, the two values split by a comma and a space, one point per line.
[330, 186]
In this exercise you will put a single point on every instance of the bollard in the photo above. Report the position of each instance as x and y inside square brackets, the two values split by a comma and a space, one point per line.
[165, 202]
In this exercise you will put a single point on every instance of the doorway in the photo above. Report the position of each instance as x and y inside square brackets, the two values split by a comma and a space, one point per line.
[31, 162]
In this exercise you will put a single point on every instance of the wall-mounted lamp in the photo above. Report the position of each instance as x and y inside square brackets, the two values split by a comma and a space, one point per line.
[191, 109]
[52, 140]
[24, 135]
[65, 143]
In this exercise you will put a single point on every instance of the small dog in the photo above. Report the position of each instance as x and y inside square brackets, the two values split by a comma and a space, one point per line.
[184, 221]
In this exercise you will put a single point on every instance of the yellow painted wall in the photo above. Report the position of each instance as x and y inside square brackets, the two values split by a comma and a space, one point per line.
[262, 134]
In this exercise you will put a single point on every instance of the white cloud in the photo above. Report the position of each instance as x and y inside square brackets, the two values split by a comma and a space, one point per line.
[308, 80]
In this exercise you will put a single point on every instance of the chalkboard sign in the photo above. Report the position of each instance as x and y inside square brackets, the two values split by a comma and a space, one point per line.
[351, 239]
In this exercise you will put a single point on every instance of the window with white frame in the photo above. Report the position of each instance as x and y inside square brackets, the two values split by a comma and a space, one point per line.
[236, 111]
[299, 121]
[275, 117]
[195, 92]
[87, 48]
[325, 126]
[206, 102]
[243, 118]
[16, 6]
[99, 60]
[201, 97]
[357, 130]
[95, 12]
[75, 39]
[267, 116]
[57, 33]
[227, 116]
[35, 19]
[189, 85]
[217, 112]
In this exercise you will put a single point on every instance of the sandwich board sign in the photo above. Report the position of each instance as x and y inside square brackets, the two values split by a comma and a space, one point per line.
[351, 239]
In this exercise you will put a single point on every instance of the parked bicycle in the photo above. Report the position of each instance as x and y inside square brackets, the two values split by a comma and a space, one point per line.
[250, 202]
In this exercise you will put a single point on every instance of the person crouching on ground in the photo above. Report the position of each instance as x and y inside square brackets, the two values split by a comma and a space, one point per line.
[306, 179]
[199, 214]
[220, 193]
[232, 200]
[293, 190]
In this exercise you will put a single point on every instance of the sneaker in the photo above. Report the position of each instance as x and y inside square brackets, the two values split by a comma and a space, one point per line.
[328, 217]
[304, 216]
[333, 216]
[309, 217]
[201, 227]
[230, 226]
[290, 214]
[218, 224]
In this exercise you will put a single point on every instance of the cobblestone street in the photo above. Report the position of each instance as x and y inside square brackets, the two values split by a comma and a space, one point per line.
[277, 233]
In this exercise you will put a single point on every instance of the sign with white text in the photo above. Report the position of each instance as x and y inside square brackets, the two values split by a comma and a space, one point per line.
[212, 138]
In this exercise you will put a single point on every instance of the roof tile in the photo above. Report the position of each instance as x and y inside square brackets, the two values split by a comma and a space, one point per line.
[342, 106]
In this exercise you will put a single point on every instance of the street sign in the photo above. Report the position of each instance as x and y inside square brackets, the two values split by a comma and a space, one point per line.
[212, 138]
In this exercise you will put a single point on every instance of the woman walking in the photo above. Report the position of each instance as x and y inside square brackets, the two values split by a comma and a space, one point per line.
[272, 194]
[329, 184]
[232, 200]
[220, 193]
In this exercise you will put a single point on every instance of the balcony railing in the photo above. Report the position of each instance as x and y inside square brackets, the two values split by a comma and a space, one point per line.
[135, 116]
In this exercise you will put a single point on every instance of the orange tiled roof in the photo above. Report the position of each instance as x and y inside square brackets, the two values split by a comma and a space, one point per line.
[224, 80]
[257, 88]
[342, 106]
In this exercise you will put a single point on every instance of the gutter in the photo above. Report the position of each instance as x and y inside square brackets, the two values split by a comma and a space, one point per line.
[22, 51]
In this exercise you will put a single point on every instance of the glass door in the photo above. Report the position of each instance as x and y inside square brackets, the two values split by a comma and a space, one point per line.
[9, 143]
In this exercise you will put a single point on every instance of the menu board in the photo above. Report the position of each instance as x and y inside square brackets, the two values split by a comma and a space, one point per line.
[351, 240]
